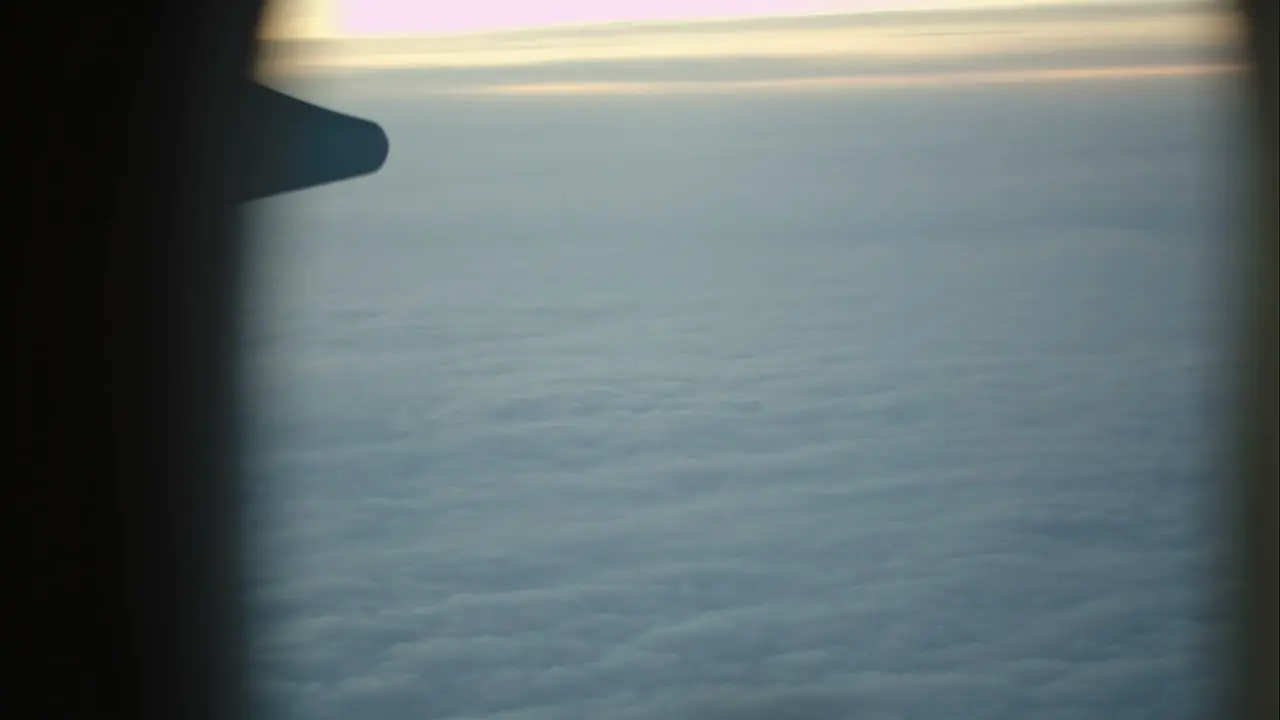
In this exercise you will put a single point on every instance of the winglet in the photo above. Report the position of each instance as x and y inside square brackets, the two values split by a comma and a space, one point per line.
[296, 145]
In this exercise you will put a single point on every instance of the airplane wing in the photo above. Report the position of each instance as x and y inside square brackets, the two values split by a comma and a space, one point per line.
[295, 145]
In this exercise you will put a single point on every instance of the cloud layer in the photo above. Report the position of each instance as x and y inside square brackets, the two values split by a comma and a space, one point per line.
[897, 407]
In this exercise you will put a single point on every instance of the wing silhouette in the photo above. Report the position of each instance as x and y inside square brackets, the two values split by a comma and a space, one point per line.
[293, 145]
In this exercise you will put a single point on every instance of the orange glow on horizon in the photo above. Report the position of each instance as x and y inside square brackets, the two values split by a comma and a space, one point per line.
[860, 81]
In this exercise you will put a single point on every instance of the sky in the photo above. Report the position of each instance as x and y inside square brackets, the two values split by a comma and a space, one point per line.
[989, 43]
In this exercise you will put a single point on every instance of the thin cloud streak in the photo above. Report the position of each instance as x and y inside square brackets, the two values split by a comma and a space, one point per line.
[858, 81]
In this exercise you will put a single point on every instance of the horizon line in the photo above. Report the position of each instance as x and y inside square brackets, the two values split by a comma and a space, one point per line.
[901, 80]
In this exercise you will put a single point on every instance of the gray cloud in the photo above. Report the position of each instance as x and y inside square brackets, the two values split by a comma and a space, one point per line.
[888, 408]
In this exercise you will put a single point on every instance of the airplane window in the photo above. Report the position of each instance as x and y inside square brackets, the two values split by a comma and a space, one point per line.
[732, 359]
